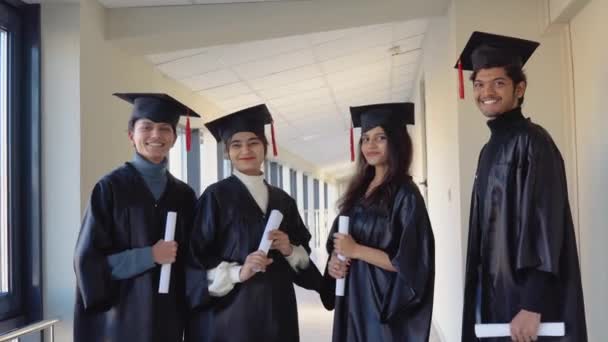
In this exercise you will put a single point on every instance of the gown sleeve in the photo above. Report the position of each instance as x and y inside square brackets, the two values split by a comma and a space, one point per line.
[412, 253]
[309, 277]
[96, 286]
[328, 286]
[200, 257]
[544, 207]
[130, 263]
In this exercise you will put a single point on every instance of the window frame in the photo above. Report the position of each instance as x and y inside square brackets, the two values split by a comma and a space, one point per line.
[23, 303]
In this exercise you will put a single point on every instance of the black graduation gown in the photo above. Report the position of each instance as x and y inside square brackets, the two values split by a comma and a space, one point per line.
[379, 305]
[123, 214]
[525, 224]
[228, 226]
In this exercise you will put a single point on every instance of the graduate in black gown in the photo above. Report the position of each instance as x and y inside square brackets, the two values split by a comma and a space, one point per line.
[522, 263]
[390, 265]
[120, 247]
[236, 292]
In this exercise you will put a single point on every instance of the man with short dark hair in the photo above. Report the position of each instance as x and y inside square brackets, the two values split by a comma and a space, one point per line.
[522, 263]
[120, 247]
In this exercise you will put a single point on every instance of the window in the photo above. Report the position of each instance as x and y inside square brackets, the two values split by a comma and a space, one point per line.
[316, 217]
[280, 183]
[178, 161]
[325, 196]
[305, 193]
[224, 166]
[20, 234]
[293, 183]
[274, 176]
[4, 265]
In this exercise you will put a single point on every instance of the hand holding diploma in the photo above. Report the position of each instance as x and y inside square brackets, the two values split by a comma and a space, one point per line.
[165, 271]
[274, 221]
[255, 262]
[339, 246]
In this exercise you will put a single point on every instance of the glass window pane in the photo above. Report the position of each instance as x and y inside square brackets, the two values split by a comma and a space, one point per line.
[178, 161]
[4, 262]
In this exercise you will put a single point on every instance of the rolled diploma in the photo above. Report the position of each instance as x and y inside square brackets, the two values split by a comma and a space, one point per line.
[343, 222]
[274, 221]
[504, 330]
[165, 270]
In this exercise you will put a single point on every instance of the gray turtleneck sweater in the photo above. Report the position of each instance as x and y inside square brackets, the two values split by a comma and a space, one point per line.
[132, 262]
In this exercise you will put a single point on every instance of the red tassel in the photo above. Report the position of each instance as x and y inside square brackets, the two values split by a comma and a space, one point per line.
[460, 80]
[188, 133]
[352, 144]
[274, 142]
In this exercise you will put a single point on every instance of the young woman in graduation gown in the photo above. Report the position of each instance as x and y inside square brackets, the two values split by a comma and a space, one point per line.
[236, 292]
[389, 269]
[120, 248]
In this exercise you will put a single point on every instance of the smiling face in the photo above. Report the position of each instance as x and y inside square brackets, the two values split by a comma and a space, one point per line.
[246, 151]
[374, 146]
[152, 140]
[495, 92]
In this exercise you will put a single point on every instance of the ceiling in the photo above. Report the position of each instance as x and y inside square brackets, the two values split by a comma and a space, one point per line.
[308, 81]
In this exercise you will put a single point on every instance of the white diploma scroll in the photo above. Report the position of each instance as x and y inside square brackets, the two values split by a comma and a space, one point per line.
[165, 270]
[343, 222]
[274, 221]
[504, 330]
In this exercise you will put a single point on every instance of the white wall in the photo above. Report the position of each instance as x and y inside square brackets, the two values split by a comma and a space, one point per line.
[83, 132]
[443, 175]
[590, 54]
[60, 160]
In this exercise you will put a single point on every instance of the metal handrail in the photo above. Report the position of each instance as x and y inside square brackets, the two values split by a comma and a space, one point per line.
[34, 327]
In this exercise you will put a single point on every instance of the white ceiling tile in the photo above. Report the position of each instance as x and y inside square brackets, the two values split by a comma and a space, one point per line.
[403, 88]
[227, 91]
[381, 67]
[274, 64]
[232, 55]
[190, 66]
[410, 44]
[406, 58]
[311, 95]
[354, 43]
[285, 77]
[293, 88]
[323, 37]
[409, 28]
[299, 106]
[171, 56]
[240, 102]
[339, 85]
[295, 113]
[367, 56]
[211, 80]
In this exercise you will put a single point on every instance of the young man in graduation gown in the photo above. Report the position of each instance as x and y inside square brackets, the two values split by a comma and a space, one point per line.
[236, 292]
[120, 249]
[522, 263]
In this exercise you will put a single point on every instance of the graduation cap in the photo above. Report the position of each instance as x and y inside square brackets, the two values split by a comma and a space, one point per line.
[252, 119]
[159, 107]
[383, 114]
[487, 50]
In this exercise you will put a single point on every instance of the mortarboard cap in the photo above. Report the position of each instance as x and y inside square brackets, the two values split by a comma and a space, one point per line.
[252, 119]
[159, 107]
[487, 50]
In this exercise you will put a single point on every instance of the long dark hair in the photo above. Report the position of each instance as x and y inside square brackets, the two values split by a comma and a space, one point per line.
[399, 160]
